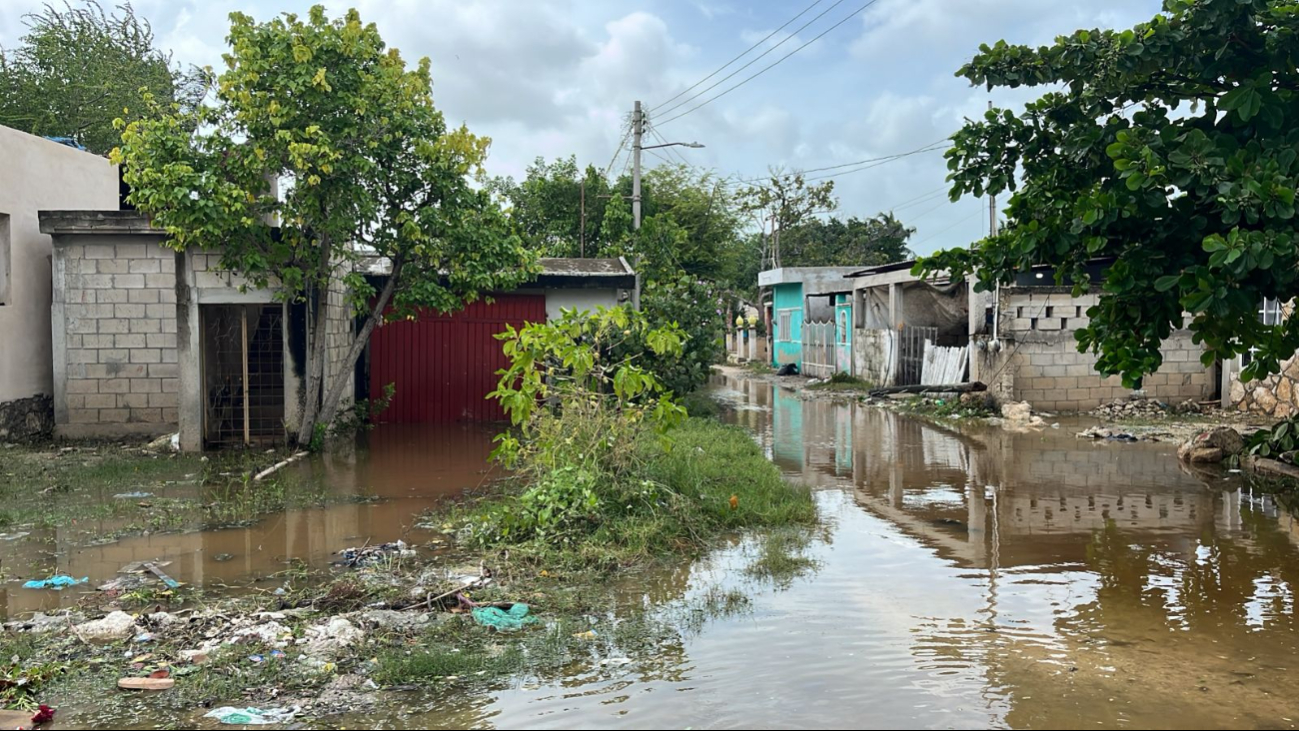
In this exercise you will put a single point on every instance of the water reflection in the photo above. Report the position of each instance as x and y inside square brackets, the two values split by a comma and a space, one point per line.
[399, 471]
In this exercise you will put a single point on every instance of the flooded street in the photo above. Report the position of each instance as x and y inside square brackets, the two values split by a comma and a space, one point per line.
[975, 580]
[963, 579]
[376, 492]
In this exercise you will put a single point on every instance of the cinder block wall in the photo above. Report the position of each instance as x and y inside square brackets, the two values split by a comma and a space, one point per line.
[116, 367]
[1040, 362]
[338, 340]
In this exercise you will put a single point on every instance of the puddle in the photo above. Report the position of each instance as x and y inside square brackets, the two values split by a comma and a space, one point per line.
[969, 580]
[397, 472]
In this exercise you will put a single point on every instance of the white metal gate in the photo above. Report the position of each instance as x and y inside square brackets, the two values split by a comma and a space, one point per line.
[819, 358]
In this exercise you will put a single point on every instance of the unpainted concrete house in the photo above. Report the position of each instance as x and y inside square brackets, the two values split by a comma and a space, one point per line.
[1025, 350]
[36, 174]
[149, 341]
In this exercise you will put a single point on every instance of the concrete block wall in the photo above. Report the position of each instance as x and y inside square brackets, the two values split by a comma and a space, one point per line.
[1040, 363]
[338, 339]
[114, 332]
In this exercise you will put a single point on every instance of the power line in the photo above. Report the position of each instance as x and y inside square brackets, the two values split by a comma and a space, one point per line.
[911, 201]
[936, 234]
[877, 163]
[752, 61]
[742, 55]
[621, 146]
[669, 149]
[777, 63]
[931, 147]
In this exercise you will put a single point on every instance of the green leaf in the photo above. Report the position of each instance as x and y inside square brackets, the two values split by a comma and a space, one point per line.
[1165, 283]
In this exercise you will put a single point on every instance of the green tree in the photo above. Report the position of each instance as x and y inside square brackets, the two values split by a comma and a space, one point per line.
[785, 202]
[1172, 147]
[852, 242]
[79, 68]
[373, 176]
[548, 206]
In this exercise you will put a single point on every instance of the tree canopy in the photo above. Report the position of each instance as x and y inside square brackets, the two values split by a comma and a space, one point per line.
[1172, 148]
[372, 177]
[79, 68]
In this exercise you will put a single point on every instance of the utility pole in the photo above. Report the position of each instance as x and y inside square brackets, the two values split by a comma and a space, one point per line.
[637, 127]
[582, 250]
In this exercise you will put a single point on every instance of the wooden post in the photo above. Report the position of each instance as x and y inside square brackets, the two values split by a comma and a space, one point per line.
[243, 326]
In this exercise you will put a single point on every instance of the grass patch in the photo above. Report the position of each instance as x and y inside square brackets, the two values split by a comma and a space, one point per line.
[842, 382]
[781, 556]
[982, 406]
[705, 480]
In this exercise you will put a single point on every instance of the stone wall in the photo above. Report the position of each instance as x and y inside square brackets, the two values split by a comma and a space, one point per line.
[1039, 360]
[115, 363]
[1276, 396]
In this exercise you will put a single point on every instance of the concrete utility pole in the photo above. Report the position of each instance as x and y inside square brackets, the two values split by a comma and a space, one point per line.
[637, 128]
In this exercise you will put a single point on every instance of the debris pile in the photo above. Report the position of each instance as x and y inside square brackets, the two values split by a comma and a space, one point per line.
[1212, 446]
[1145, 408]
[370, 555]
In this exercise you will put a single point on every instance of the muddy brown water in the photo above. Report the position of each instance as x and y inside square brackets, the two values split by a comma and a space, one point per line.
[394, 473]
[966, 579]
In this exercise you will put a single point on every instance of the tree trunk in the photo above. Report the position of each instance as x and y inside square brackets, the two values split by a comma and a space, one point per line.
[316, 358]
[315, 372]
[333, 396]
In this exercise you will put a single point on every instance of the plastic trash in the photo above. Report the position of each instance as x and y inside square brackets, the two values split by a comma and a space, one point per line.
[56, 582]
[132, 495]
[504, 620]
[250, 716]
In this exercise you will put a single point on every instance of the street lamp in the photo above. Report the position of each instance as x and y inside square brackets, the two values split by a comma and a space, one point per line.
[638, 128]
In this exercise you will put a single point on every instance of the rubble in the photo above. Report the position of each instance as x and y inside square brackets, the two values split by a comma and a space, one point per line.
[115, 626]
[329, 639]
[1145, 408]
[1212, 446]
[41, 623]
[1114, 435]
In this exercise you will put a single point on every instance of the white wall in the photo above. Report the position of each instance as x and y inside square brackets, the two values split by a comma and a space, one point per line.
[36, 174]
[581, 299]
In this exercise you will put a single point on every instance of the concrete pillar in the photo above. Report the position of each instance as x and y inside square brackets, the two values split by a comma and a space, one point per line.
[188, 352]
[751, 336]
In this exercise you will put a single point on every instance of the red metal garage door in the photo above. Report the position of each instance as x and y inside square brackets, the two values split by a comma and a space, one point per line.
[445, 365]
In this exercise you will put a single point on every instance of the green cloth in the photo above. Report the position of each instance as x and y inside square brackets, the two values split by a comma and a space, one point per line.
[503, 620]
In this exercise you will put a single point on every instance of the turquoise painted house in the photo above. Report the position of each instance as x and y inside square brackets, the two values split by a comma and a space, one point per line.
[807, 304]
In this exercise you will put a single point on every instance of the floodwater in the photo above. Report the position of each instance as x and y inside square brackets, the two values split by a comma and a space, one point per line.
[975, 580]
[983, 579]
[377, 491]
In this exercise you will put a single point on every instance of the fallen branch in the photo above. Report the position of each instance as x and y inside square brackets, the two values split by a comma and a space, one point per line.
[970, 387]
[278, 466]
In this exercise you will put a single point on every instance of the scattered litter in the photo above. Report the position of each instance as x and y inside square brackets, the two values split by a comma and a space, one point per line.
[259, 659]
[252, 716]
[56, 582]
[587, 635]
[44, 714]
[223, 557]
[367, 555]
[132, 495]
[156, 571]
[144, 637]
[504, 620]
[146, 683]
[1112, 435]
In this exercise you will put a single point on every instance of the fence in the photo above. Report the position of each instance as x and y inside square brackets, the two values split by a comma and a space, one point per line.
[943, 366]
[819, 360]
[911, 356]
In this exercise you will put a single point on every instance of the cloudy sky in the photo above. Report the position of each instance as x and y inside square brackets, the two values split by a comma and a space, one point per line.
[558, 77]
